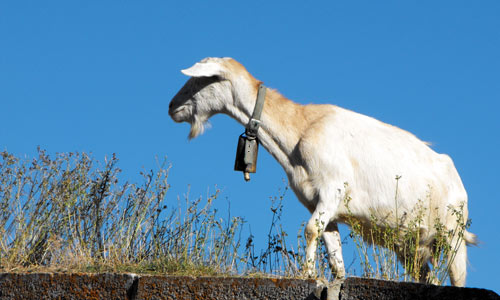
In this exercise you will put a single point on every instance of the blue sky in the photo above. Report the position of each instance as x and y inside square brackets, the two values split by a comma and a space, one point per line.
[97, 76]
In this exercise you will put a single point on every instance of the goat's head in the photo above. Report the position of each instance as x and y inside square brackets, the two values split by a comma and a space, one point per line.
[203, 95]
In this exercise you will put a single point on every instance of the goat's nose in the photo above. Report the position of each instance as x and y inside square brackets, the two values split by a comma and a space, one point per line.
[170, 105]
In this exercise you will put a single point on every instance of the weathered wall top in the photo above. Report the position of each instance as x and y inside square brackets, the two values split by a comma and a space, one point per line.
[132, 287]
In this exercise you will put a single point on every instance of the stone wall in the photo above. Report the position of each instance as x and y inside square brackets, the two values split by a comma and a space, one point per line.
[131, 287]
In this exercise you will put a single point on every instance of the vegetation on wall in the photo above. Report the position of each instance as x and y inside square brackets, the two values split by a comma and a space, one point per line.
[70, 213]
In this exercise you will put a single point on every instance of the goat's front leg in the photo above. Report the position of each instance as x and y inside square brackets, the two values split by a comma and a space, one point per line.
[333, 243]
[315, 229]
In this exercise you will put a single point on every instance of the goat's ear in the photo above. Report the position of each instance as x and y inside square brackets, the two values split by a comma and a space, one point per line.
[205, 68]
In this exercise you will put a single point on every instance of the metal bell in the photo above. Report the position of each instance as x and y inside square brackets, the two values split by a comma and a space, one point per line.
[246, 155]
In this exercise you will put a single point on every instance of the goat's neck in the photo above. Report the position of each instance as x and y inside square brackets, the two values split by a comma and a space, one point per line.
[282, 121]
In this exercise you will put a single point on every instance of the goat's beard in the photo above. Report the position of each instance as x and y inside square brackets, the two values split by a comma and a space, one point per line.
[198, 126]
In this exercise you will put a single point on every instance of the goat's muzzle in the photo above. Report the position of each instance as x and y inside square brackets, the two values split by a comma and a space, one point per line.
[176, 113]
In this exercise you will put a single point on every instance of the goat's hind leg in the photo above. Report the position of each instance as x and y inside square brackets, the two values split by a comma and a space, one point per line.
[417, 264]
[333, 243]
[458, 258]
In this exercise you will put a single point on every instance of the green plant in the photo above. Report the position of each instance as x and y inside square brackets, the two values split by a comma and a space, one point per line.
[394, 250]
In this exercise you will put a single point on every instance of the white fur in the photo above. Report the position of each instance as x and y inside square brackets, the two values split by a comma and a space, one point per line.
[329, 153]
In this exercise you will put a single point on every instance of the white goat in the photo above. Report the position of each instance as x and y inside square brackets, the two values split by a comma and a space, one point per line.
[323, 147]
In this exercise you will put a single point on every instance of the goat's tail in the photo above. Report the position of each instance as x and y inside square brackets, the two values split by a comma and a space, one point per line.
[470, 238]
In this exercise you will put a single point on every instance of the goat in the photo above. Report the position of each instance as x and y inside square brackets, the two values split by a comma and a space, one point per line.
[330, 153]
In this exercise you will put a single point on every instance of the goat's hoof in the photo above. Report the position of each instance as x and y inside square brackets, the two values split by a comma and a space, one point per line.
[310, 274]
[338, 275]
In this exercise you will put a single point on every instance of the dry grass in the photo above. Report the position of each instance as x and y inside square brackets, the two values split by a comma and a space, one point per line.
[69, 213]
